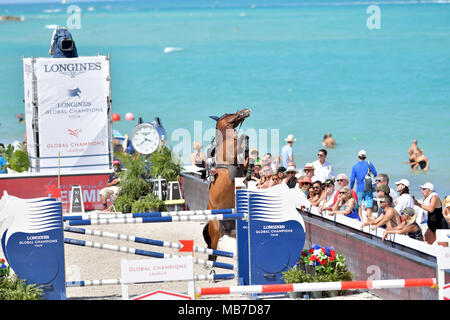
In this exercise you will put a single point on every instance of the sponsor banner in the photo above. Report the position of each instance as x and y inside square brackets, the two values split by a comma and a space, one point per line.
[31, 237]
[73, 113]
[275, 233]
[28, 99]
[37, 186]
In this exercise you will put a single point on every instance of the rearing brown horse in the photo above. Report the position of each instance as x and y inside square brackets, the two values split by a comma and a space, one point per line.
[228, 166]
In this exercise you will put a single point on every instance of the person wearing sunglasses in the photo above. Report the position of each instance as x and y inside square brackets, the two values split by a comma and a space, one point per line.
[389, 219]
[322, 168]
[342, 181]
[327, 202]
[346, 204]
[383, 179]
[308, 170]
[291, 180]
[305, 183]
[319, 194]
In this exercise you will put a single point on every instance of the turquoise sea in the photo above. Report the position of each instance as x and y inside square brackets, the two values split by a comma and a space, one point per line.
[303, 67]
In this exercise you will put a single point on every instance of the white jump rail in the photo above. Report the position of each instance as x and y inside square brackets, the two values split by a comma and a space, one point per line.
[318, 286]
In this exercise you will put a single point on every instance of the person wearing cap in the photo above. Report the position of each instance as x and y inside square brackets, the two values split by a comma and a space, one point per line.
[291, 180]
[359, 172]
[408, 226]
[389, 217]
[405, 199]
[287, 152]
[382, 190]
[112, 185]
[433, 205]
[281, 173]
[323, 168]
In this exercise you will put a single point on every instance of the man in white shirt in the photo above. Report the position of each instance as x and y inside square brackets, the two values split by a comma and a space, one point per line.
[322, 168]
[405, 200]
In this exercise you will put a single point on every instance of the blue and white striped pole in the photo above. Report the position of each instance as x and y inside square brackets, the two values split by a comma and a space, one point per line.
[156, 219]
[147, 214]
[90, 283]
[152, 242]
[141, 252]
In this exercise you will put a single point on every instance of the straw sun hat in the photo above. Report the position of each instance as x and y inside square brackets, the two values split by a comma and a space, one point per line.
[290, 138]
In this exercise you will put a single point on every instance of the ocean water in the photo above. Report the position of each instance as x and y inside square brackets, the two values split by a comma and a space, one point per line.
[303, 68]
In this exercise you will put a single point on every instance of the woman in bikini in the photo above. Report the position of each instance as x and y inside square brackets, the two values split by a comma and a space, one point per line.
[421, 161]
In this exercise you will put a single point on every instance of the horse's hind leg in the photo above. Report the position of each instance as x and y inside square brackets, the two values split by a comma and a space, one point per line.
[214, 233]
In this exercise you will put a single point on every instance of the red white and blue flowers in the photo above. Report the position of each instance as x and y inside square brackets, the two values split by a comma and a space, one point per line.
[322, 259]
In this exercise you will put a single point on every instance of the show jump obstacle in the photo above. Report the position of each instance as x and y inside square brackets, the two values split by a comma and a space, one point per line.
[270, 238]
[265, 222]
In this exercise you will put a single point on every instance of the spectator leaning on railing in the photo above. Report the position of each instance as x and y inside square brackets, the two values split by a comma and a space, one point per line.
[327, 203]
[432, 204]
[408, 226]
[319, 194]
[346, 205]
[342, 181]
[389, 218]
[404, 200]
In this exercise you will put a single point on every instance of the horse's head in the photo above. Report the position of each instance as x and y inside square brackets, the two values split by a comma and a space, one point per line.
[231, 120]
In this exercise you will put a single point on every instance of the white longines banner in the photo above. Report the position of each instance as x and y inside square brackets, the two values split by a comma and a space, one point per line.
[73, 113]
[28, 99]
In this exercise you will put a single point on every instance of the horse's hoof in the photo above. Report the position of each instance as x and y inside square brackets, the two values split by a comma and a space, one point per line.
[212, 272]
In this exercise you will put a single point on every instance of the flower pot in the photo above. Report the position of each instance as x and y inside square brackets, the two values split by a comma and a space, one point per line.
[310, 270]
[295, 295]
[316, 294]
[331, 293]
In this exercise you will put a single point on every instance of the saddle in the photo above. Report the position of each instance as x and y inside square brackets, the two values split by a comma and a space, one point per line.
[234, 170]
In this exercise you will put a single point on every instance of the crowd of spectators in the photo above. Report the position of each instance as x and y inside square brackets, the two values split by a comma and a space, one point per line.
[394, 210]
[376, 206]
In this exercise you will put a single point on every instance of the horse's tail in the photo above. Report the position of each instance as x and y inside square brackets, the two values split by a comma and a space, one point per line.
[206, 236]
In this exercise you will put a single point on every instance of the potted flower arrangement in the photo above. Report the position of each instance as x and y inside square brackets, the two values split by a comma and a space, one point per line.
[4, 270]
[319, 264]
[13, 288]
